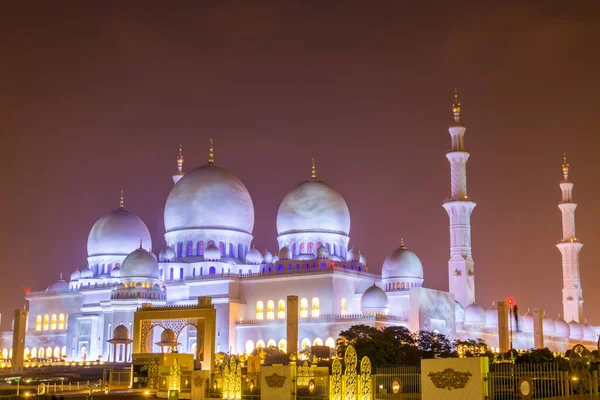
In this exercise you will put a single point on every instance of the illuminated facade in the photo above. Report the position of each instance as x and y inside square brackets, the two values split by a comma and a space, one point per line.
[209, 222]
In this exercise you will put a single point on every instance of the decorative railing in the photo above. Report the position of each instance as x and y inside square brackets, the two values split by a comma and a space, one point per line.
[325, 318]
[176, 307]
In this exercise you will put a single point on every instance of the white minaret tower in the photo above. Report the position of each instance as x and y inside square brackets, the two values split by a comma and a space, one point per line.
[179, 174]
[570, 247]
[459, 207]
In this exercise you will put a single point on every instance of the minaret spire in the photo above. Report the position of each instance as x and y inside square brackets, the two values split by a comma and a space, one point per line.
[179, 174]
[313, 173]
[211, 152]
[569, 247]
[122, 201]
[461, 268]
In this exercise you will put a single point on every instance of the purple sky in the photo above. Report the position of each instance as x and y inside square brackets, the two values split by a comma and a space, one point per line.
[96, 96]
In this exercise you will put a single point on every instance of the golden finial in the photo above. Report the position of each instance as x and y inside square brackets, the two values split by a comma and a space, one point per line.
[122, 201]
[211, 152]
[456, 106]
[141, 248]
[60, 276]
[180, 156]
[313, 174]
[565, 167]
[402, 242]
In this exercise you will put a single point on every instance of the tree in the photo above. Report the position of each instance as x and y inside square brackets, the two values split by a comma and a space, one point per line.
[434, 345]
[473, 348]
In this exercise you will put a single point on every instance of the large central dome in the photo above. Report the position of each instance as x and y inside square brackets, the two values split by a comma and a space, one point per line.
[313, 206]
[117, 233]
[209, 197]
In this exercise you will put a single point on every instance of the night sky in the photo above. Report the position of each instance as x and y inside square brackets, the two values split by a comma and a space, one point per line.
[96, 96]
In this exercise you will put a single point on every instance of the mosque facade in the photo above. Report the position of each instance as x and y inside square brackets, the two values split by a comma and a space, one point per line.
[209, 221]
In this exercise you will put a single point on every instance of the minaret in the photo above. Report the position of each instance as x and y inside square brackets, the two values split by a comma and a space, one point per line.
[459, 207]
[179, 174]
[569, 248]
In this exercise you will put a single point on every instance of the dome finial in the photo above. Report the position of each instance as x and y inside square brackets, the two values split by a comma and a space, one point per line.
[122, 201]
[141, 248]
[313, 173]
[565, 167]
[180, 160]
[60, 276]
[402, 242]
[211, 152]
[456, 106]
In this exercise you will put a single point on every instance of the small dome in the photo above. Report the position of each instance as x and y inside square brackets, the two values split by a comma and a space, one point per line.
[561, 328]
[491, 317]
[121, 333]
[459, 313]
[58, 286]
[87, 273]
[353, 255]
[156, 286]
[589, 333]
[121, 285]
[117, 233]
[75, 275]
[166, 255]
[575, 330]
[285, 253]
[374, 301]
[163, 288]
[140, 264]
[138, 285]
[212, 253]
[363, 259]
[267, 257]
[402, 263]
[115, 272]
[548, 326]
[322, 252]
[475, 315]
[528, 322]
[254, 257]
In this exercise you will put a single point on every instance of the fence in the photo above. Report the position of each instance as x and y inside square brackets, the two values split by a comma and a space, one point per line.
[397, 382]
[546, 380]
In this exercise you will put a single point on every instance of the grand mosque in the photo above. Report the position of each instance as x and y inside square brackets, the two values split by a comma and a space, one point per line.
[209, 220]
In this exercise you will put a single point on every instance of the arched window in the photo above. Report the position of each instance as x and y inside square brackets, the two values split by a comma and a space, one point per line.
[281, 309]
[231, 250]
[314, 309]
[222, 249]
[190, 249]
[5, 354]
[294, 249]
[335, 249]
[402, 285]
[26, 354]
[330, 343]
[302, 248]
[200, 248]
[270, 309]
[179, 249]
[210, 243]
[180, 273]
[38, 323]
[260, 344]
[83, 352]
[171, 274]
[48, 352]
[328, 245]
[318, 342]
[271, 343]
[282, 345]
[305, 343]
[212, 271]
[194, 272]
[319, 244]
[344, 306]
[240, 253]
[61, 321]
[249, 346]
[33, 352]
[56, 353]
[260, 311]
[311, 248]
[63, 351]
[303, 308]
[46, 324]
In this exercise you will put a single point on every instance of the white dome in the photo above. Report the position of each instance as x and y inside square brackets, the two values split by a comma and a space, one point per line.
[548, 326]
[528, 322]
[475, 315]
[87, 273]
[374, 301]
[575, 330]
[268, 257]
[209, 197]
[275, 258]
[363, 259]
[402, 263]
[140, 264]
[353, 255]
[491, 317]
[561, 328]
[589, 333]
[459, 313]
[118, 233]
[75, 275]
[254, 257]
[285, 253]
[322, 252]
[313, 206]
[115, 272]
[212, 253]
[166, 254]
[58, 286]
